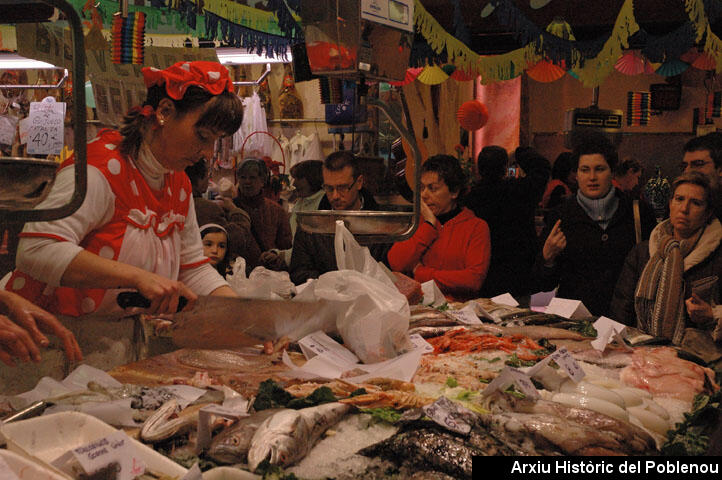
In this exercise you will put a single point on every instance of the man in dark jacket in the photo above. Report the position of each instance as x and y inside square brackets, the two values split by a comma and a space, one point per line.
[591, 233]
[313, 253]
[508, 205]
[704, 154]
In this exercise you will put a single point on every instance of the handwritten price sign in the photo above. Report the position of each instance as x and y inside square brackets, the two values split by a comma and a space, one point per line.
[47, 128]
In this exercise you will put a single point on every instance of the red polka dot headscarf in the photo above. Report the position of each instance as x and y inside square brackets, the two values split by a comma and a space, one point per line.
[210, 76]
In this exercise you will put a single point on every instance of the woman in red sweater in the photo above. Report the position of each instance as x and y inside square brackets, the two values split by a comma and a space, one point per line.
[451, 246]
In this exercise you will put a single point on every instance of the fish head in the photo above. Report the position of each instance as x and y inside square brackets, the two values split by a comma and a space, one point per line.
[231, 447]
[281, 439]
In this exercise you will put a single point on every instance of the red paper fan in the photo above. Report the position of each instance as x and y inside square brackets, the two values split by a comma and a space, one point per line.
[461, 76]
[411, 74]
[633, 63]
[545, 72]
[690, 55]
[705, 62]
[472, 115]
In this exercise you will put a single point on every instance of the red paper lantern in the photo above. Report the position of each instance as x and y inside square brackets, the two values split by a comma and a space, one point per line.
[472, 115]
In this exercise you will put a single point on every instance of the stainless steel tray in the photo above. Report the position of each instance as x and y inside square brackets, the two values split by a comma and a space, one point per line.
[25, 182]
[368, 225]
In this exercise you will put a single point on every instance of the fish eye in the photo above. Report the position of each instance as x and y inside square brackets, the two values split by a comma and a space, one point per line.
[235, 441]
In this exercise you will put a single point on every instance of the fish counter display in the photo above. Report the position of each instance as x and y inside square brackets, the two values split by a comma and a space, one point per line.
[508, 387]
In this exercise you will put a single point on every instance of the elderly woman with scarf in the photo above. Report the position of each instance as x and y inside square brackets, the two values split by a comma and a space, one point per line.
[671, 282]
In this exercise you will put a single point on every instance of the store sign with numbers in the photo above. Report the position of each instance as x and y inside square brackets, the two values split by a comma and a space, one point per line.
[46, 127]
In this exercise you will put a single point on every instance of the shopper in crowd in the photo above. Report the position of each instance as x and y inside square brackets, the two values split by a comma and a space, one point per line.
[563, 182]
[307, 193]
[136, 228]
[626, 177]
[451, 245]
[704, 154]
[507, 205]
[672, 281]
[313, 254]
[224, 212]
[591, 233]
[269, 221]
[216, 246]
[21, 331]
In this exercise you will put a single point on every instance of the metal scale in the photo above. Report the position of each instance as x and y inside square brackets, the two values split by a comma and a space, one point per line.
[360, 40]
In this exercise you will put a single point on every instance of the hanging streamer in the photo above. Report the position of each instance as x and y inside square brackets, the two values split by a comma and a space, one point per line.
[239, 36]
[638, 108]
[128, 38]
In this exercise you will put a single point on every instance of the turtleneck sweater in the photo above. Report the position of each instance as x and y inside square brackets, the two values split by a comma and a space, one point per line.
[601, 210]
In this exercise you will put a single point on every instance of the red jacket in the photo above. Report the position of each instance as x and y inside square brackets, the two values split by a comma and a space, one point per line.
[455, 255]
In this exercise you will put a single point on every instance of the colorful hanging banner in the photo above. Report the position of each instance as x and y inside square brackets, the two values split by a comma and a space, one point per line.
[638, 108]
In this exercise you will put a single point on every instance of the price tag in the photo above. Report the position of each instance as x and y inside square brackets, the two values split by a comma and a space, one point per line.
[8, 126]
[419, 342]
[607, 330]
[567, 363]
[46, 133]
[449, 415]
[572, 309]
[512, 376]
[115, 448]
[318, 343]
[466, 315]
[505, 299]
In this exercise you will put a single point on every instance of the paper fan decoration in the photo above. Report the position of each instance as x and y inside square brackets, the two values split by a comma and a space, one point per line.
[461, 76]
[432, 76]
[705, 62]
[690, 55]
[670, 68]
[472, 115]
[633, 63]
[545, 72]
[411, 74]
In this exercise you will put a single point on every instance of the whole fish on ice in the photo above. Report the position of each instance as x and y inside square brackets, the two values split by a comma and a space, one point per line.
[233, 443]
[288, 435]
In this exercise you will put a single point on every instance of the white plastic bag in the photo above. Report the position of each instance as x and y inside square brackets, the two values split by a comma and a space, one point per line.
[375, 324]
[262, 283]
[352, 256]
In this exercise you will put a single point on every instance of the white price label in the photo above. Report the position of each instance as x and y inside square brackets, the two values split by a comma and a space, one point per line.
[465, 316]
[7, 129]
[47, 128]
[419, 342]
[607, 330]
[115, 448]
[511, 376]
[318, 342]
[448, 414]
[565, 361]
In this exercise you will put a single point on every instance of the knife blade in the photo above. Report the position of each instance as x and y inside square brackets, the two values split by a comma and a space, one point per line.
[216, 322]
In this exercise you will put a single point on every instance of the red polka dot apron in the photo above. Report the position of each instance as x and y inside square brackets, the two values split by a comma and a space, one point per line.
[144, 231]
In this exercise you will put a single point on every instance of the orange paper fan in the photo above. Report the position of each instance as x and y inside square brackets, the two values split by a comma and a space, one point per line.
[411, 74]
[633, 63]
[472, 115]
[545, 72]
[705, 62]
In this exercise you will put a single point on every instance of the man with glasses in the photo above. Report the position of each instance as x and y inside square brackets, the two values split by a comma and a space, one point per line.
[313, 254]
[704, 154]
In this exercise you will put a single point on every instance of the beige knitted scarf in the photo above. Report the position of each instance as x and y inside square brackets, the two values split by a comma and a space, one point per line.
[659, 298]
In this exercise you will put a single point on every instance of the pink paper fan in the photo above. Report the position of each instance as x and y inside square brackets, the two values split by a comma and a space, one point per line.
[705, 62]
[545, 72]
[633, 63]
[411, 74]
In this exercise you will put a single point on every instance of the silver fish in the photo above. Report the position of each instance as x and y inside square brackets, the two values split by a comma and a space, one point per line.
[232, 444]
[170, 420]
[287, 436]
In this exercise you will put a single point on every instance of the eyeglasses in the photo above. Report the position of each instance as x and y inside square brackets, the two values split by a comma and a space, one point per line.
[342, 189]
[693, 164]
